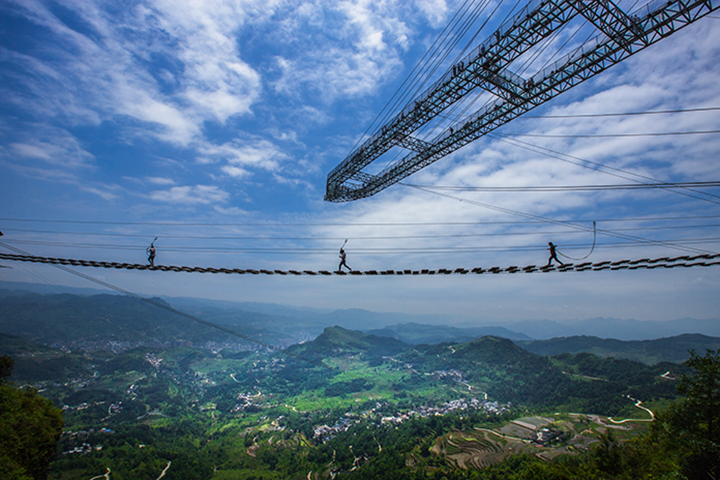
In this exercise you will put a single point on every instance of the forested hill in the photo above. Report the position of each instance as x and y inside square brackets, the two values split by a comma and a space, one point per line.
[671, 349]
[61, 319]
[337, 341]
[492, 365]
[115, 321]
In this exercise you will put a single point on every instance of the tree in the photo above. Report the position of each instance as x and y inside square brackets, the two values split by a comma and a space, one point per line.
[29, 430]
[695, 422]
[607, 454]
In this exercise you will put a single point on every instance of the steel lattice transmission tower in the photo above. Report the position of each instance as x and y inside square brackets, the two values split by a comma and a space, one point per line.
[488, 67]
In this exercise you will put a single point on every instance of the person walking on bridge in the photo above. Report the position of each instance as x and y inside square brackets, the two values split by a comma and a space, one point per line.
[343, 260]
[553, 255]
[151, 253]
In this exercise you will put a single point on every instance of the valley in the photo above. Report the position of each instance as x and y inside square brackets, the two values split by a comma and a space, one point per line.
[343, 403]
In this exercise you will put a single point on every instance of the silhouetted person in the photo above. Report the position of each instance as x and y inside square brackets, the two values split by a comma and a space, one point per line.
[151, 254]
[553, 255]
[343, 258]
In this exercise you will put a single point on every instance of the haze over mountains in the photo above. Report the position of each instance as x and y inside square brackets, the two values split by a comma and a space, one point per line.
[114, 322]
[407, 327]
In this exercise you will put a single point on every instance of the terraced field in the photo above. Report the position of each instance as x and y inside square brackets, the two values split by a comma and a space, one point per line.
[484, 447]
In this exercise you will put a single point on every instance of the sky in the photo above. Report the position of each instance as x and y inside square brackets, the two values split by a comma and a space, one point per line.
[212, 125]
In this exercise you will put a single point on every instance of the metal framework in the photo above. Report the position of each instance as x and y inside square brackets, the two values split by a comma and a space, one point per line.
[487, 68]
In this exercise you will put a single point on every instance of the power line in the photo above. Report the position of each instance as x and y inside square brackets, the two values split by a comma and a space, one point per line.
[561, 188]
[610, 135]
[602, 168]
[558, 222]
[364, 250]
[625, 114]
[345, 224]
[319, 239]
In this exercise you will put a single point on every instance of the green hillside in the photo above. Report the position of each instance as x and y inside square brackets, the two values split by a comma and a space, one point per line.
[120, 322]
[262, 414]
[338, 342]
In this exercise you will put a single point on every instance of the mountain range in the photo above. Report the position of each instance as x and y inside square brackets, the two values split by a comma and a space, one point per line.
[112, 322]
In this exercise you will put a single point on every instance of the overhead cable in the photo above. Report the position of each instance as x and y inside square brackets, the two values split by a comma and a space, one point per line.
[610, 135]
[557, 222]
[365, 250]
[564, 188]
[603, 168]
[320, 239]
[346, 224]
[623, 114]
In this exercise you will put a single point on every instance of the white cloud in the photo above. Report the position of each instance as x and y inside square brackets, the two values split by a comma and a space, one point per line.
[108, 68]
[53, 146]
[199, 194]
[355, 47]
[160, 180]
[235, 172]
[239, 156]
[63, 176]
[230, 211]
[435, 10]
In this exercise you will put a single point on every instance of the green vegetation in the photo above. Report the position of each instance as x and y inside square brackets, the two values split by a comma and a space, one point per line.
[373, 407]
[29, 429]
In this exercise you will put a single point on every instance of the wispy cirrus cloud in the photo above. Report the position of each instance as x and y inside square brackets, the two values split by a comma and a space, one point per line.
[191, 195]
[238, 157]
[160, 181]
[49, 145]
[170, 68]
[355, 48]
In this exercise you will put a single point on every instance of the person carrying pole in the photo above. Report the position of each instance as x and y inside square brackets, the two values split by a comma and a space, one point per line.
[553, 255]
[151, 253]
[343, 258]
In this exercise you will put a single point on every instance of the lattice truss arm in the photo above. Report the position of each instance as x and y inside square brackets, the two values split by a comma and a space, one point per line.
[487, 67]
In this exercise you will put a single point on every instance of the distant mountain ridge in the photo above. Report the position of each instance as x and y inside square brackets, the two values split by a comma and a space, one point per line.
[417, 333]
[620, 329]
[67, 319]
[650, 352]
[314, 320]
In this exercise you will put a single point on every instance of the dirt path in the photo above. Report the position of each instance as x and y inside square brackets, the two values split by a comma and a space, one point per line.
[638, 405]
[107, 475]
[162, 474]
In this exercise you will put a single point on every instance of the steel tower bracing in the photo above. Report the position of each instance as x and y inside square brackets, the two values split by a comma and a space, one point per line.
[488, 67]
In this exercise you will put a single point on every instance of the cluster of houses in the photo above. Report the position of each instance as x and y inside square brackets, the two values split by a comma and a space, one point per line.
[245, 400]
[452, 406]
[545, 436]
[154, 361]
[84, 447]
[324, 433]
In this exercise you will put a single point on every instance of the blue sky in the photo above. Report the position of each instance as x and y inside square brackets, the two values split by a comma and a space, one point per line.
[212, 125]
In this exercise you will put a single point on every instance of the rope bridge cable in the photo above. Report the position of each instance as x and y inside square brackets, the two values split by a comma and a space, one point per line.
[704, 260]
[61, 266]
[591, 250]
